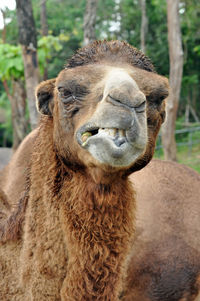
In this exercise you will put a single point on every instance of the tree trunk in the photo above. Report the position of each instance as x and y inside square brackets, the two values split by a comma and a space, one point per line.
[28, 40]
[18, 109]
[90, 21]
[144, 25]
[18, 113]
[43, 18]
[176, 69]
[44, 29]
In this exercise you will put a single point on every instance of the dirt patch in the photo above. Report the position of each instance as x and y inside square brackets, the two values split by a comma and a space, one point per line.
[5, 155]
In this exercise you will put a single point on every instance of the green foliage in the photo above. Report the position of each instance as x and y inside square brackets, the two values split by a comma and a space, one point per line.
[11, 27]
[5, 128]
[108, 18]
[64, 16]
[130, 21]
[156, 40]
[11, 64]
[197, 49]
[46, 46]
[190, 24]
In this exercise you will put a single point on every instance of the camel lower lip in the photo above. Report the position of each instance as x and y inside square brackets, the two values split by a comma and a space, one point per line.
[117, 136]
[117, 143]
[116, 148]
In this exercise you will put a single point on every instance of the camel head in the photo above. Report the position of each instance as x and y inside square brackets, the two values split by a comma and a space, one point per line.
[106, 106]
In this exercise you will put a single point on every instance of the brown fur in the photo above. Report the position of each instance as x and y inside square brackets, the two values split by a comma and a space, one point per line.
[67, 221]
[165, 262]
[115, 50]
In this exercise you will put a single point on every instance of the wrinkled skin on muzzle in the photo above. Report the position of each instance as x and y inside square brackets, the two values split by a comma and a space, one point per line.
[116, 134]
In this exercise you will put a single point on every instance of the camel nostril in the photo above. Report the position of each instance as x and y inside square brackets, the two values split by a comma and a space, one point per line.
[141, 108]
[137, 101]
[125, 102]
[114, 100]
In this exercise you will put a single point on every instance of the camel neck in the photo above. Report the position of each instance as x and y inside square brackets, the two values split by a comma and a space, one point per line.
[94, 221]
[98, 224]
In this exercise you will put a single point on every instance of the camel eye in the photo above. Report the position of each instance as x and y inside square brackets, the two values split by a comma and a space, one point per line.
[157, 97]
[160, 99]
[155, 101]
[66, 95]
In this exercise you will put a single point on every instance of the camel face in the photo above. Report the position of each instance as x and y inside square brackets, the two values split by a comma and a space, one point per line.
[106, 114]
[114, 130]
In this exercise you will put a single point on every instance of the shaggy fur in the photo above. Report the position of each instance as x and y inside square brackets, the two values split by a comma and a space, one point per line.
[67, 222]
[95, 221]
[115, 51]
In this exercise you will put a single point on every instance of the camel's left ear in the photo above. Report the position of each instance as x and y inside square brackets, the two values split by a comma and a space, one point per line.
[44, 97]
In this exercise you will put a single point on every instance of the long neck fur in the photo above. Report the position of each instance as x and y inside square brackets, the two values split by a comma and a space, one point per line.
[96, 222]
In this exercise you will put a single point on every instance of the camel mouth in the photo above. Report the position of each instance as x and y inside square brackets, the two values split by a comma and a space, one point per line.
[112, 146]
[116, 135]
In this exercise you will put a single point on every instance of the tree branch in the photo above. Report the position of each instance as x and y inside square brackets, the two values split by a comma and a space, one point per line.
[5, 84]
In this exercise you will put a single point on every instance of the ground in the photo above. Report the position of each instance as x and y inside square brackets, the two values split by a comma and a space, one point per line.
[5, 155]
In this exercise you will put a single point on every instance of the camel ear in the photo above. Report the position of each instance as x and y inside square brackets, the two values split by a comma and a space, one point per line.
[44, 97]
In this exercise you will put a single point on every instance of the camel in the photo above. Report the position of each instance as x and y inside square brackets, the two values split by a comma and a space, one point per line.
[81, 217]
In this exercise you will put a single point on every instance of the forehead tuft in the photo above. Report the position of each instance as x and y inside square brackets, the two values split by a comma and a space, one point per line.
[112, 52]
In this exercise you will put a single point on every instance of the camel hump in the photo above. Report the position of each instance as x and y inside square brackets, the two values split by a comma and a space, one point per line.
[169, 180]
[168, 197]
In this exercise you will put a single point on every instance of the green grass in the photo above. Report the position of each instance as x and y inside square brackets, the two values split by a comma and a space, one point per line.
[189, 157]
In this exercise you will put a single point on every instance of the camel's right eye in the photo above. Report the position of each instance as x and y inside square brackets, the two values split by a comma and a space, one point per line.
[157, 96]
[66, 95]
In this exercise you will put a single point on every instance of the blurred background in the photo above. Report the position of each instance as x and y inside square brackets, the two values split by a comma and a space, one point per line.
[37, 37]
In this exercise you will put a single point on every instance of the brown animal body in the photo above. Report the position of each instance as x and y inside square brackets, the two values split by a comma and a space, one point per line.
[165, 259]
[68, 209]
